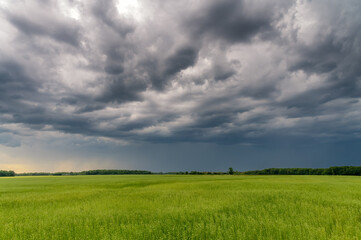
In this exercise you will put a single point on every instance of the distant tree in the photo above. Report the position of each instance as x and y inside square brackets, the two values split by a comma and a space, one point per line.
[230, 171]
[4, 173]
[342, 170]
[113, 172]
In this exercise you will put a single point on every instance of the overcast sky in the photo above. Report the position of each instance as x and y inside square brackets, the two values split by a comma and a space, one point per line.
[167, 85]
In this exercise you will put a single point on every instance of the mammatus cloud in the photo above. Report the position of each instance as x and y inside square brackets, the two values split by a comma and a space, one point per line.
[224, 72]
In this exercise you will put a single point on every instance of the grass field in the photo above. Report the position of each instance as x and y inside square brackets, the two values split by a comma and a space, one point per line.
[180, 207]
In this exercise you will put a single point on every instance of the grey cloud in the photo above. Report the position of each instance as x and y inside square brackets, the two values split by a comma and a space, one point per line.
[223, 72]
[62, 31]
[89, 108]
[69, 100]
[9, 140]
[15, 87]
[234, 21]
[236, 59]
[155, 73]
[114, 68]
[13, 76]
[122, 89]
[336, 61]
[182, 59]
[107, 13]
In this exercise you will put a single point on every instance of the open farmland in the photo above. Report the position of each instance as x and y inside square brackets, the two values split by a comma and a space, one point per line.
[180, 207]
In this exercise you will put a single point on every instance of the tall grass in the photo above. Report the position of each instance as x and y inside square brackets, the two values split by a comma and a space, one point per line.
[180, 207]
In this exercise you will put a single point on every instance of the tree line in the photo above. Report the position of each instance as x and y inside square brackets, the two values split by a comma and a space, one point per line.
[344, 170]
[4, 173]
[230, 172]
[114, 172]
[89, 172]
[197, 173]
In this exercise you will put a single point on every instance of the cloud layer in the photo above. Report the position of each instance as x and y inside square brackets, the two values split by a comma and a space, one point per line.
[225, 72]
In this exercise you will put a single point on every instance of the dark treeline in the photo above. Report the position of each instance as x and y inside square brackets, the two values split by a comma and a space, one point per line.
[345, 170]
[230, 172]
[89, 172]
[4, 173]
[114, 172]
[34, 174]
[197, 173]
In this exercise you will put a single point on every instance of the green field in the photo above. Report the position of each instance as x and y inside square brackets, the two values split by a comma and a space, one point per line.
[180, 207]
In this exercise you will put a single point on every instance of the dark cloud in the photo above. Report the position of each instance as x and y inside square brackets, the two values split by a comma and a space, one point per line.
[228, 20]
[331, 55]
[114, 68]
[16, 89]
[223, 72]
[154, 73]
[235, 21]
[227, 72]
[106, 12]
[9, 140]
[14, 79]
[89, 108]
[122, 89]
[182, 59]
[62, 31]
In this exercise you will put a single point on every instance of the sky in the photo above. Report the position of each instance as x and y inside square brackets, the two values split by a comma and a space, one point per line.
[166, 85]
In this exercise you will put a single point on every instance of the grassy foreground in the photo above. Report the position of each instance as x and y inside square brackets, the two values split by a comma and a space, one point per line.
[180, 207]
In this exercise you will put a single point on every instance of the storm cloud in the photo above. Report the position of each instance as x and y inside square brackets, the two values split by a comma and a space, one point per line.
[220, 72]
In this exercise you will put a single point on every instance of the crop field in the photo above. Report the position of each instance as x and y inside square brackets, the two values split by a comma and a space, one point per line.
[180, 207]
